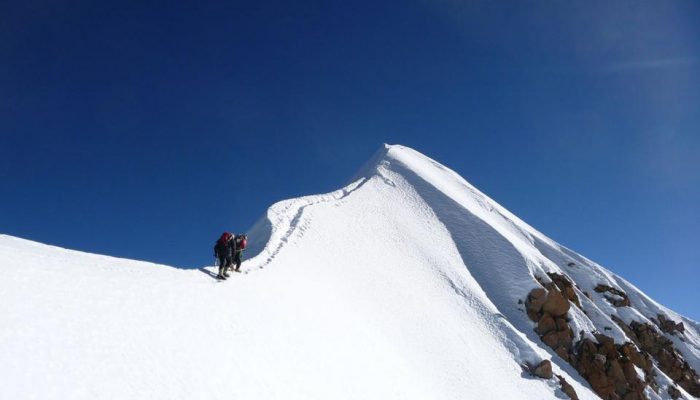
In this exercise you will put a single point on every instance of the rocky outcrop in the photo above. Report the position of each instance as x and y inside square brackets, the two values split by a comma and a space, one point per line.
[669, 326]
[617, 297]
[567, 388]
[608, 368]
[549, 310]
[566, 287]
[555, 304]
[664, 352]
[533, 303]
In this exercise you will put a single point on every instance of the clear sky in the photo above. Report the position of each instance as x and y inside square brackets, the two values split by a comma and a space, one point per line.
[143, 129]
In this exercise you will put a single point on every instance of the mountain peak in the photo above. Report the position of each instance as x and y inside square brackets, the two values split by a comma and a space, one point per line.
[407, 283]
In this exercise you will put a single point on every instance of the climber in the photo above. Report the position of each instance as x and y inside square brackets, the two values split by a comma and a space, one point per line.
[239, 244]
[223, 251]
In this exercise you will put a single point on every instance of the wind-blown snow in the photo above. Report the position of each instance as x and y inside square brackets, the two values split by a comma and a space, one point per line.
[403, 285]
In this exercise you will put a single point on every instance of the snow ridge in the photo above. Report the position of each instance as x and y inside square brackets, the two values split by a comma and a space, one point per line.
[408, 283]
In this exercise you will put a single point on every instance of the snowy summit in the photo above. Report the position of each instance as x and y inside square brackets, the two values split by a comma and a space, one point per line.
[409, 283]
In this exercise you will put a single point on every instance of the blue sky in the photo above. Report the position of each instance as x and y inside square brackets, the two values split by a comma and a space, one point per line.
[143, 129]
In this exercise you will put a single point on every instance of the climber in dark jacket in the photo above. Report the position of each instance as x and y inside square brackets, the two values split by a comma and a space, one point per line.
[239, 244]
[224, 250]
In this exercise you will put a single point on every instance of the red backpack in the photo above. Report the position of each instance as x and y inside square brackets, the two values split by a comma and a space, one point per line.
[225, 238]
[242, 242]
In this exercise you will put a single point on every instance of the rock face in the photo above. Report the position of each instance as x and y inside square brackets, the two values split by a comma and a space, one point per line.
[549, 309]
[665, 354]
[608, 368]
[566, 287]
[555, 304]
[620, 301]
[534, 303]
[668, 326]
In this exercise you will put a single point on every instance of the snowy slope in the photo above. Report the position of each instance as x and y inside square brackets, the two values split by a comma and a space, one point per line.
[403, 285]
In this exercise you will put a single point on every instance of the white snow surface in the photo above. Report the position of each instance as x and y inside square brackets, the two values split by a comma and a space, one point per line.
[402, 285]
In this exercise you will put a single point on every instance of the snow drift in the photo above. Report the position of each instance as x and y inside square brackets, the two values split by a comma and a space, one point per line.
[408, 283]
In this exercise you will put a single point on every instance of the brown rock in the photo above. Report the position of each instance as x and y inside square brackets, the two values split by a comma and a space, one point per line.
[632, 396]
[624, 301]
[555, 304]
[600, 384]
[617, 377]
[630, 351]
[533, 303]
[565, 338]
[551, 339]
[543, 370]
[665, 353]
[566, 287]
[680, 327]
[629, 332]
[669, 326]
[629, 371]
[607, 346]
[567, 388]
[562, 352]
[546, 324]
[583, 359]
[691, 385]
[562, 324]
[599, 361]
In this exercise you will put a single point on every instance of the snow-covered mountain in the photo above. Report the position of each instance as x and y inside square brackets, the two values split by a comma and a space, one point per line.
[408, 283]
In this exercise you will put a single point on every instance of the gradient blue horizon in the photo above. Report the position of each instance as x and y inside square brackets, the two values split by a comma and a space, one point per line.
[143, 129]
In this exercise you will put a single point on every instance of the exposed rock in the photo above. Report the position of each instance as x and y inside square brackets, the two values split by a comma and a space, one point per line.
[555, 304]
[674, 392]
[600, 383]
[623, 301]
[567, 388]
[551, 339]
[606, 346]
[563, 352]
[607, 369]
[629, 332]
[632, 396]
[639, 359]
[566, 287]
[617, 377]
[665, 353]
[562, 324]
[533, 303]
[543, 370]
[546, 324]
[668, 326]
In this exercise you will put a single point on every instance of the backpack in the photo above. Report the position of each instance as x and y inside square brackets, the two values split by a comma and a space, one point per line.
[241, 242]
[222, 244]
[225, 238]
